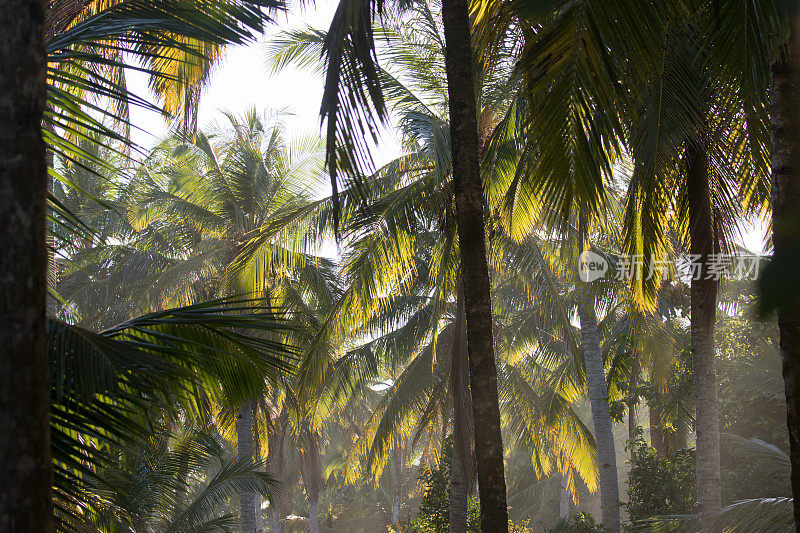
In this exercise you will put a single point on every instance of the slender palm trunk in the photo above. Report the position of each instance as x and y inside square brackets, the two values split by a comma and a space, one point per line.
[25, 470]
[703, 302]
[657, 438]
[275, 461]
[601, 415]
[257, 458]
[398, 472]
[276, 520]
[311, 477]
[244, 445]
[472, 242]
[564, 498]
[313, 513]
[633, 383]
[462, 471]
[785, 117]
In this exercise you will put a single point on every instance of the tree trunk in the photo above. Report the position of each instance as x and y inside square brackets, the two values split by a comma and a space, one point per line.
[310, 472]
[276, 520]
[462, 472]
[703, 317]
[785, 130]
[472, 242]
[633, 399]
[564, 498]
[313, 513]
[276, 438]
[257, 459]
[244, 445]
[25, 469]
[601, 415]
[398, 458]
[657, 439]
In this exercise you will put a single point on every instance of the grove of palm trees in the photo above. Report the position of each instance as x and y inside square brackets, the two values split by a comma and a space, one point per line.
[530, 268]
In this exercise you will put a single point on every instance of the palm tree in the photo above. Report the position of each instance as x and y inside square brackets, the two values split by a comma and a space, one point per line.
[245, 182]
[177, 480]
[350, 52]
[697, 115]
[468, 190]
[205, 218]
[785, 132]
[110, 389]
[25, 449]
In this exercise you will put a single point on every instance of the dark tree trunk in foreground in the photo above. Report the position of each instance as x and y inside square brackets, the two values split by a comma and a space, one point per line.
[785, 116]
[463, 469]
[474, 267]
[25, 470]
[703, 315]
[601, 414]
[244, 448]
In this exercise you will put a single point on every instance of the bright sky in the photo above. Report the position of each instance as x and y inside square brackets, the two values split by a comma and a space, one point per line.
[243, 79]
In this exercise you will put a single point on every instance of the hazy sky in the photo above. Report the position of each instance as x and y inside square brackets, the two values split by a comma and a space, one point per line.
[242, 79]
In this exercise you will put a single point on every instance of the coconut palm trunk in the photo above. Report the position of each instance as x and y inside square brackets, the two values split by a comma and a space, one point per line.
[313, 513]
[601, 414]
[25, 470]
[257, 459]
[398, 458]
[472, 242]
[462, 472]
[657, 437]
[244, 446]
[276, 438]
[633, 383]
[564, 498]
[276, 520]
[785, 130]
[703, 304]
[310, 472]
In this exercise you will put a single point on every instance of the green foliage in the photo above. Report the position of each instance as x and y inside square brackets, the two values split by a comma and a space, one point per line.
[580, 523]
[751, 399]
[660, 486]
[434, 510]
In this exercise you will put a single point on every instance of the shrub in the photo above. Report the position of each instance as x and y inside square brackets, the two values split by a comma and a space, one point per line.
[658, 487]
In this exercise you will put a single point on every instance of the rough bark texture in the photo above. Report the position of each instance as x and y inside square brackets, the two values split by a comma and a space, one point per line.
[472, 243]
[601, 415]
[703, 315]
[785, 116]
[463, 469]
[25, 470]
[244, 447]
